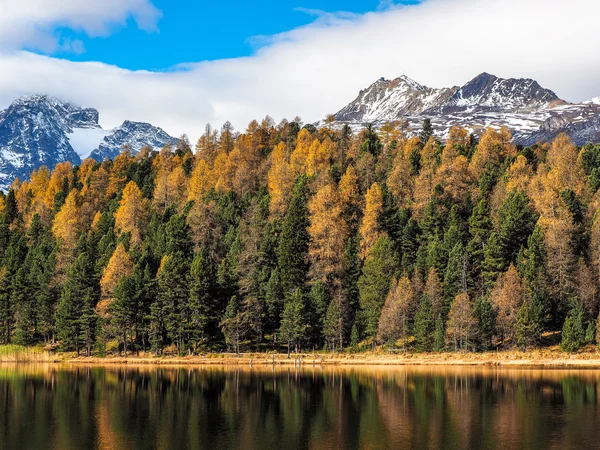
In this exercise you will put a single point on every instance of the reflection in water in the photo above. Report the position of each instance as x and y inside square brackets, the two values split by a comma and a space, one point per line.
[317, 408]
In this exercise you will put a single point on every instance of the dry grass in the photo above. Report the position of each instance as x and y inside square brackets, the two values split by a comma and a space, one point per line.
[550, 357]
[17, 353]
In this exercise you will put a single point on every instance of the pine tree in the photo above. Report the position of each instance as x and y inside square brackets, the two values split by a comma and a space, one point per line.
[374, 284]
[439, 336]
[293, 325]
[334, 327]
[573, 333]
[173, 292]
[233, 326]
[293, 242]
[426, 131]
[78, 294]
[529, 329]
[424, 326]
[486, 319]
[202, 300]
[123, 309]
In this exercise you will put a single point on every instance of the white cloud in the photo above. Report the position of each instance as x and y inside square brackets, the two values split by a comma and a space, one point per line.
[317, 69]
[32, 23]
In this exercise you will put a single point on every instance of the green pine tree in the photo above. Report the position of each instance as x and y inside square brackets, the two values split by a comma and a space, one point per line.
[439, 336]
[424, 328]
[293, 242]
[374, 284]
[293, 321]
[573, 333]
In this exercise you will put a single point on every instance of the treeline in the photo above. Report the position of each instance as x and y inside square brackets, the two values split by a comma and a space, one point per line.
[289, 237]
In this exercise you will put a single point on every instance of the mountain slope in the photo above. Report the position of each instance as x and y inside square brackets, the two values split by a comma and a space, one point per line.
[532, 112]
[38, 130]
[390, 99]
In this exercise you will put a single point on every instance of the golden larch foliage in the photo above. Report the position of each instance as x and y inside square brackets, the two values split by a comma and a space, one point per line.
[461, 322]
[369, 228]
[397, 310]
[493, 147]
[67, 223]
[132, 214]
[119, 266]
[328, 234]
[201, 181]
[507, 297]
[349, 193]
[279, 180]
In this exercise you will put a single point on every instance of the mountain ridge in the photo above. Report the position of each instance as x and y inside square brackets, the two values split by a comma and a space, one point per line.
[39, 130]
[531, 111]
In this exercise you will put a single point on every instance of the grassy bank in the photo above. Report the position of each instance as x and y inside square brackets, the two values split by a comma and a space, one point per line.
[550, 358]
[17, 353]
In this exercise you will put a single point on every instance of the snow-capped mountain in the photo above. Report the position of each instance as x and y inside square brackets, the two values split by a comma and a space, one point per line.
[393, 98]
[532, 112]
[37, 130]
[136, 135]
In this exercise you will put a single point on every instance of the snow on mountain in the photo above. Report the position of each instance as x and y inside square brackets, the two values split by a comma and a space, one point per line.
[487, 91]
[387, 99]
[38, 130]
[594, 101]
[532, 112]
[136, 135]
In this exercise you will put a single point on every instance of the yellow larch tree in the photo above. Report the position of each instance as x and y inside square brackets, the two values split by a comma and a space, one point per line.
[401, 180]
[118, 172]
[454, 176]
[201, 181]
[349, 194]
[132, 214]
[493, 147]
[328, 235]
[66, 225]
[279, 180]
[298, 158]
[369, 228]
[507, 297]
[519, 175]
[120, 265]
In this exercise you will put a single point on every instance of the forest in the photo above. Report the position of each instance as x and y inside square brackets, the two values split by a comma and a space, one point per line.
[290, 238]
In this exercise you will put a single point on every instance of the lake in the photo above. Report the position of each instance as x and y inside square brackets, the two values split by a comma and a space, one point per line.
[155, 407]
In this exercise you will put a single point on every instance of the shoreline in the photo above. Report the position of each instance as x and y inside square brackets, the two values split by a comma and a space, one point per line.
[515, 360]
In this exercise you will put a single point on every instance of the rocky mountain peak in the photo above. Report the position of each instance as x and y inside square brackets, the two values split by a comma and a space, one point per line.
[532, 112]
[39, 130]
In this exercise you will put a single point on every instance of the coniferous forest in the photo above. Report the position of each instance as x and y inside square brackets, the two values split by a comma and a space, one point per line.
[288, 237]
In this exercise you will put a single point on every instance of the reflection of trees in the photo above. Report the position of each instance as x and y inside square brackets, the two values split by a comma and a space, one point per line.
[217, 407]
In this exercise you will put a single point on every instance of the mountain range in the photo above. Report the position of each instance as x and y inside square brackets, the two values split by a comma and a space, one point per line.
[38, 130]
[531, 112]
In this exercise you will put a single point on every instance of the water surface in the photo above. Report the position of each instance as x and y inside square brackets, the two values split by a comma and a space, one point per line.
[56, 407]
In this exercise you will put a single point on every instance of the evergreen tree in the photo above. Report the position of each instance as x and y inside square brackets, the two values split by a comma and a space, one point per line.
[293, 242]
[173, 292]
[293, 325]
[424, 326]
[374, 284]
[80, 293]
[486, 319]
[573, 333]
[233, 326]
[123, 309]
[439, 336]
[203, 308]
[426, 131]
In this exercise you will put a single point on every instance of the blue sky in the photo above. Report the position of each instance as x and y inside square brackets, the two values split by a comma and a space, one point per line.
[191, 31]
